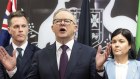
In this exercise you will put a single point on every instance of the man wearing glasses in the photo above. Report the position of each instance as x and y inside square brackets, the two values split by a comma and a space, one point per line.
[66, 58]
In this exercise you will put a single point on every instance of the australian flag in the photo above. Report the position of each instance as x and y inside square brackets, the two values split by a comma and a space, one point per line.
[4, 35]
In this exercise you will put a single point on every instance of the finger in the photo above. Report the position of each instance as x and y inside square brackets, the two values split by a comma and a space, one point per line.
[1, 56]
[107, 49]
[14, 54]
[99, 49]
[1, 51]
[5, 52]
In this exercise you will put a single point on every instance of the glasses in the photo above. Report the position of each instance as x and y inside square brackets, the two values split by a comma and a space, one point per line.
[59, 21]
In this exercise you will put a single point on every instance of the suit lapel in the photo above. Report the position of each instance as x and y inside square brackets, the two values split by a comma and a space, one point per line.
[27, 53]
[51, 55]
[75, 54]
[9, 49]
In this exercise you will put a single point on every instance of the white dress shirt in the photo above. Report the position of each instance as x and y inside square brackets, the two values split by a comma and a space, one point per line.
[121, 70]
[11, 73]
[59, 50]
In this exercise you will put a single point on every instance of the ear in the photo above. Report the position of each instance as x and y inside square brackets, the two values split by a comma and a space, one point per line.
[130, 47]
[76, 28]
[52, 28]
[9, 30]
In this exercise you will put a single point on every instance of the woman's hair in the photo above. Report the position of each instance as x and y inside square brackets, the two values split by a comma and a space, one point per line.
[128, 35]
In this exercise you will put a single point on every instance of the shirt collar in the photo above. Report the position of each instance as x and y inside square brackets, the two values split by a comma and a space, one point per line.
[69, 44]
[119, 64]
[22, 46]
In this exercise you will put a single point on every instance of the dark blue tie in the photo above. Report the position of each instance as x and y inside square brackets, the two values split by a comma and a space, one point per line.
[19, 58]
[63, 61]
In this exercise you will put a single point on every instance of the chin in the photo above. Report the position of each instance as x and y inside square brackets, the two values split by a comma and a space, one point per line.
[118, 54]
[21, 40]
[63, 36]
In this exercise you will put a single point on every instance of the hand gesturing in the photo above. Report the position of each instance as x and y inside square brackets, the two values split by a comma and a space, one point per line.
[102, 57]
[9, 62]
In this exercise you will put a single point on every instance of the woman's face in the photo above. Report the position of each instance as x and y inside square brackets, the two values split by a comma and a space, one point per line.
[120, 45]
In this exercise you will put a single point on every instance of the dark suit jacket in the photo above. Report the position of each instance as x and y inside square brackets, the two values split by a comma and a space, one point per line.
[26, 63]
[80, 66]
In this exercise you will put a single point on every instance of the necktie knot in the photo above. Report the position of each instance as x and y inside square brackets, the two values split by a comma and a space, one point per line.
[19, 51]
[64, 47]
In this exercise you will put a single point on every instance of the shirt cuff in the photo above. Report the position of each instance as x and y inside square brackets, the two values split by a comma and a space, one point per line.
[11, 73]
[101, 73]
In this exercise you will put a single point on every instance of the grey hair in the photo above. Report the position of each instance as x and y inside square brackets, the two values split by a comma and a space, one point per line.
[63, 9]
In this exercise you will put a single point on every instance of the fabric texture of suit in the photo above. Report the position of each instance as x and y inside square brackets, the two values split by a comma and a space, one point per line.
[133, 69]
[80, 66]
[26, 62]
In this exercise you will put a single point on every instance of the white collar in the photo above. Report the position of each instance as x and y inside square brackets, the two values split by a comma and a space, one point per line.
[119, 64]
[69, 44]
[23, 46]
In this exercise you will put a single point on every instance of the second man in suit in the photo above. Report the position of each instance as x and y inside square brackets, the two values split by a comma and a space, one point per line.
[16, 65]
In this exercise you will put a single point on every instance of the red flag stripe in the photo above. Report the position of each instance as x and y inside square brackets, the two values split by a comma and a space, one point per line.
[9, 6]
[5, 26]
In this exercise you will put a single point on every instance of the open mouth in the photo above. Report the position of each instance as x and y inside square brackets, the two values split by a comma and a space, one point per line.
[62, 29]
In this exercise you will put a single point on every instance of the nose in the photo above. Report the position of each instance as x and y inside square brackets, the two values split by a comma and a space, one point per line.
[20, 28]
[117, 44]
[62, 22]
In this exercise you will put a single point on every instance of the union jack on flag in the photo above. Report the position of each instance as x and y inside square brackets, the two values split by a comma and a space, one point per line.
[4, 35]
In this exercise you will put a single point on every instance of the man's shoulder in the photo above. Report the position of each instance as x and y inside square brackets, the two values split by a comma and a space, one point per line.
[47, 48]
[84, 46]
[85, 49]
[32, 47]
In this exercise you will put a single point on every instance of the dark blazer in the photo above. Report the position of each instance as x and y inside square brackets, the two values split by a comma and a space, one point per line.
[80, 66]
[26, 63]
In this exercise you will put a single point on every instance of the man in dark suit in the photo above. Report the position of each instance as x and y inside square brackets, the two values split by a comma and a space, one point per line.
[66, 58]
[16, 59]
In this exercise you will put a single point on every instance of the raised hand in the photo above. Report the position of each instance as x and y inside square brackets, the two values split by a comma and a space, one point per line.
[101, 57]
[9, 62]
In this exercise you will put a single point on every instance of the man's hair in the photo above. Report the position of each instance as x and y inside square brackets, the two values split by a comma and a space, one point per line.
[18, 13]
[63, 9]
